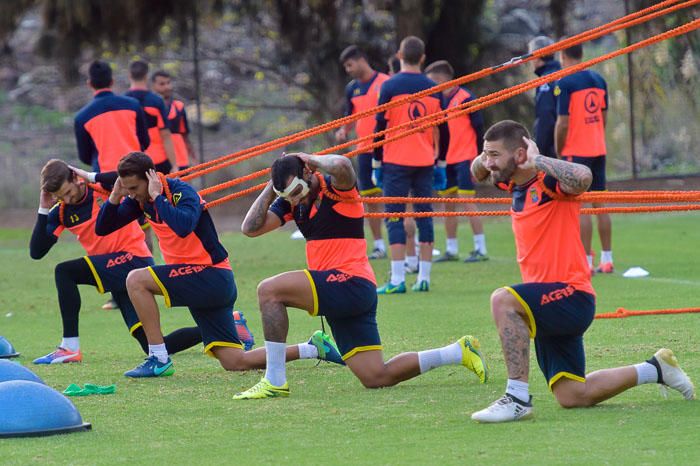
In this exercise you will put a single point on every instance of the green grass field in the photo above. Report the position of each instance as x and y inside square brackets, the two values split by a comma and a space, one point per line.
[330, 417]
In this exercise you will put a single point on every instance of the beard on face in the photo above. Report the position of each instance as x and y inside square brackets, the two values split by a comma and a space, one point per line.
[504, 175]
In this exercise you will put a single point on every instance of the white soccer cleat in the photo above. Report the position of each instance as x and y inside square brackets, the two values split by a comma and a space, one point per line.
[672, 375]
[504, 409]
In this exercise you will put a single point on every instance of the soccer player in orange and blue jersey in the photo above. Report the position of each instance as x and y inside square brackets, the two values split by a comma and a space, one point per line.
[409, 164]
[161, 149]
[545, 101]
[339, 282]
[197, 272]
[162, 83]
[466, 140]
[109, 126]
[582, 104]
[108, 261]
[555, 304]
[362, 93]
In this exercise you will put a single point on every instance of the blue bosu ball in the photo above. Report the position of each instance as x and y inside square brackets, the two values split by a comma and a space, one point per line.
[30, 409]
[6, 349]
[13, 371]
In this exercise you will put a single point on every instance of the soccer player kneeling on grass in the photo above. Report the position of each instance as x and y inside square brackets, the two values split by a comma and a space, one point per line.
[556, 303]
[339, 282]
[197, 273]
[110, 258]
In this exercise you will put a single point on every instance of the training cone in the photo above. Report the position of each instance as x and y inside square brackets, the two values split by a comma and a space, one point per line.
[30, 409]
[14, 371]
[6, 349]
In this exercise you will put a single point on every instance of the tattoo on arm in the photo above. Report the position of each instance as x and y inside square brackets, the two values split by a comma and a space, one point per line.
[257, 214]
[573, 178]
[339, 168]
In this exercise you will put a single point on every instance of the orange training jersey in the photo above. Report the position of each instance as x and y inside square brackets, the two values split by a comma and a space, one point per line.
[156, 117]
[548, 237]
[80, 220]
[334, 231]
[361, 96]
[583, 96]
[177, 122]
[418, 149]
[463, 137]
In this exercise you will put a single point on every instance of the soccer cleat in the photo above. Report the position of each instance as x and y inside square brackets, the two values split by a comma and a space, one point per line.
[392, 289]
[110, 305]
[472, 358]
[151, 367]
[244, 333]
[61, 355]
[447, 257]
[505, 409]
[327, 349]
[422, 285]
[476, 256]
[672, 375]
[377, 254]
[605, 267]
[409, 269]
[263, 389]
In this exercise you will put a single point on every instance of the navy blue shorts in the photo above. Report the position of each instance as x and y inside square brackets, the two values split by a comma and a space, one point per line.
[459, 179]
[364, 176]
[209, 293]
[559, 315]
[164, 167]
[349, 304]
[110, 271]
[399, 180]
[597, 166]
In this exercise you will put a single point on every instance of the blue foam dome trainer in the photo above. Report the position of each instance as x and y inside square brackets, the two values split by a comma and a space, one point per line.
[30, 409]
[6, 349]
[14, 371]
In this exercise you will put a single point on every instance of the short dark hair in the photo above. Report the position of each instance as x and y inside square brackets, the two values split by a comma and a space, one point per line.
[54, 174]
[575, 52]
[283, 168]
[510, 132]
[394, 64]
[161, 74]
[135, 164]
[138, 70]
[412, 49]
[442, 67]
[100, 74]
[353, 52]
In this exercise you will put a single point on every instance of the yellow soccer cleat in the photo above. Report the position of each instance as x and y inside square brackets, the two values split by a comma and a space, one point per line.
[263, 389]
[472, 358]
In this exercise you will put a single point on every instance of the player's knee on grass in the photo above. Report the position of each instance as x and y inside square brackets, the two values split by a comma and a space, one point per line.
[571, 394]
[370, 373]
[231, 359]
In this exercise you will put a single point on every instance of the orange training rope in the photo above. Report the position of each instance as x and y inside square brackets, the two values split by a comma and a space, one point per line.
[477, 104]
[622, 312]
[646, 14]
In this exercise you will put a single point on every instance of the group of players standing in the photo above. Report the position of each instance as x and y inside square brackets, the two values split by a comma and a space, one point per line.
[554, 305]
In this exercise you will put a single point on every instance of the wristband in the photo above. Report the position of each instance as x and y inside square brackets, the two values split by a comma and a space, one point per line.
[43, 211]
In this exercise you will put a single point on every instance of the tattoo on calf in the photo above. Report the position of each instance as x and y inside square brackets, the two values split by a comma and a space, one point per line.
[515, 340]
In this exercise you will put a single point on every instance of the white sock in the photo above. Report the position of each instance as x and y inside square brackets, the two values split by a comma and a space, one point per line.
[430, 359]
[590, 260]
[412, 261]
[518, 389]
[605, 256]
[307, 351]
[452, 246]
[424, 271]
[159, 352]
[398, 274]
[379, 244]
[70, 343]
[275, 357]
[480, 243]
[646, 373]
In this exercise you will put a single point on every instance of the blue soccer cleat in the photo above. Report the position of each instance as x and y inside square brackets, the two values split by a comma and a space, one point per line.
[327, 350]
[151, 367]
[392, 289]
[244, 333]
